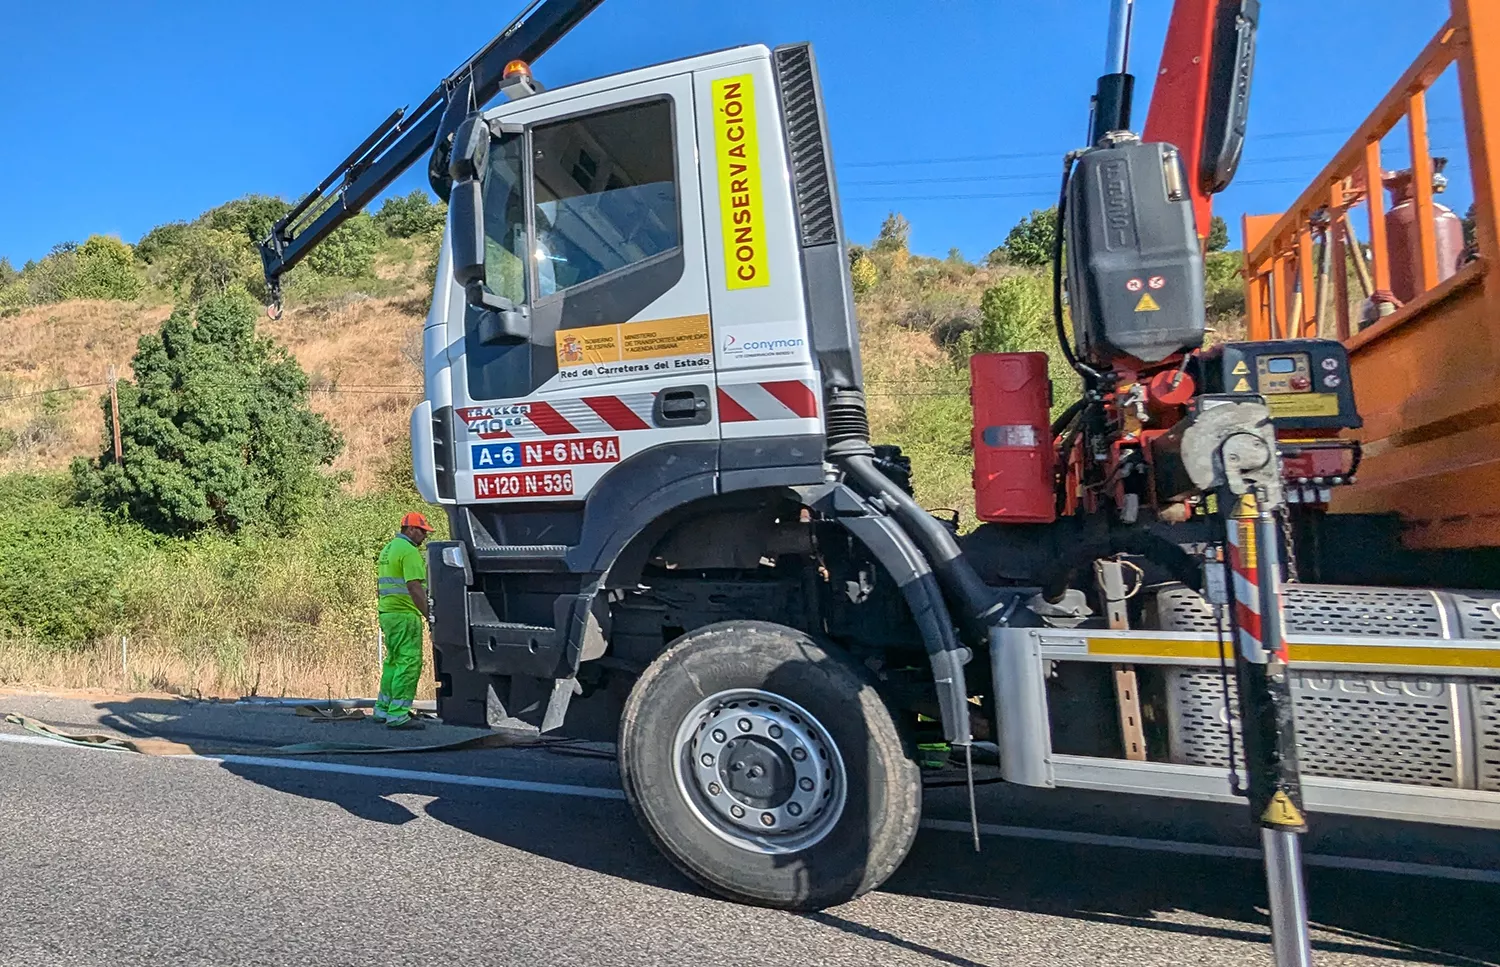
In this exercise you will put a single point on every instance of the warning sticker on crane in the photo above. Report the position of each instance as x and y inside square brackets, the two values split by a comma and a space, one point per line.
[1147, 304]
[737, 149]
[1281, 811]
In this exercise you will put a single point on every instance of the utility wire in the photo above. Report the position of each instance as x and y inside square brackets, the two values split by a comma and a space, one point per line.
[55, 389]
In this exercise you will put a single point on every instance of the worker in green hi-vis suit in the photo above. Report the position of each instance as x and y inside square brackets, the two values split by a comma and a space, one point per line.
[403, 607]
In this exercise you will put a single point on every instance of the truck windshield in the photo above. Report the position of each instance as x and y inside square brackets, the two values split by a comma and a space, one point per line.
[505, 221]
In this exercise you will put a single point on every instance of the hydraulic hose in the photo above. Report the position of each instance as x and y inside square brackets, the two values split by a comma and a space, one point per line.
[1066, 417]
[1090, 375]
[982, 604]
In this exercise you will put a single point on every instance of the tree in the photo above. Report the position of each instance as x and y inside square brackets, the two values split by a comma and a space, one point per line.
[1218, 234]
[250, 217]
[348, 252]
[206, 262]
[412, 215]
[101, 268]
[159, 243]
[216, 430]
[104, 269]
[8, 273]
[895, 232]
[1031, 240]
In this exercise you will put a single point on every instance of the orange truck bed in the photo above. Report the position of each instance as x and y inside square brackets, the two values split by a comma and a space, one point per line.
[1426, 355]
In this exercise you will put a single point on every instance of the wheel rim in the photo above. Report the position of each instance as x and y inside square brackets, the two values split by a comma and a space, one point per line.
[760, 771]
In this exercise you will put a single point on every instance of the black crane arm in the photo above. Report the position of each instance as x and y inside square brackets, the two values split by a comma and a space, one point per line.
[405, 136]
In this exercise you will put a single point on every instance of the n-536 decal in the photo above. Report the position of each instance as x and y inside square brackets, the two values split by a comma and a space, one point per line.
[522, 486]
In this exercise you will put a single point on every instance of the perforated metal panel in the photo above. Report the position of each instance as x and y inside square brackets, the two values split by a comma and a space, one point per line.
[1478, 617]
[1486, 702]
[1379, 728]
[1328, 609]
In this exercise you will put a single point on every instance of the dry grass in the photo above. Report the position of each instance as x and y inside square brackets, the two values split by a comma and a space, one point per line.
[148, 665]
[363, 360]
[344, 345]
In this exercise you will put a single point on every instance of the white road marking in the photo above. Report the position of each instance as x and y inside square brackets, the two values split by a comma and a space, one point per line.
[940, 825]
[1215, 850]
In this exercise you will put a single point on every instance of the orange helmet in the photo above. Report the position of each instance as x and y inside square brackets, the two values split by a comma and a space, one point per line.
[417, 520]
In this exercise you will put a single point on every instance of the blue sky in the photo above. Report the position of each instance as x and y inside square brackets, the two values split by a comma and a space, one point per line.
[955, 112]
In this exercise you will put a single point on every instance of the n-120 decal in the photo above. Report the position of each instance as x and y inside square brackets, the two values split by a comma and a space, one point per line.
[545, 453]
[520, 486]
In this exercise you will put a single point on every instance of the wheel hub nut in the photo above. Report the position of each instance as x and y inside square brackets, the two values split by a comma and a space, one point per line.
[806, 784]
[774, 731]
[794, 809]
[744, 725]
[766, 819]
[799, 753]
[737, 811]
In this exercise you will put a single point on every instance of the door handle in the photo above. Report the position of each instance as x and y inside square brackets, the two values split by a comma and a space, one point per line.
[682, 406]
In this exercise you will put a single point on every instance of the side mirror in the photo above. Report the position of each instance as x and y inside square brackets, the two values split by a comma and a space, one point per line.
[466, 166]
[502, 323]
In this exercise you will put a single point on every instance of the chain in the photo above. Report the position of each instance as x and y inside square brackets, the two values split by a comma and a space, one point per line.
[1291, 545]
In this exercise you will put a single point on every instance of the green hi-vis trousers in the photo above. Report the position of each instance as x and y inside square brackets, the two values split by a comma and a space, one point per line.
[402, 668]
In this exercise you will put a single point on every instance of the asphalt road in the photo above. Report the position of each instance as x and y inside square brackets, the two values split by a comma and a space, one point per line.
[516, 857]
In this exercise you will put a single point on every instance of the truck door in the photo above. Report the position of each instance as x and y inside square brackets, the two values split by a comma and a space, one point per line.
[593, 219]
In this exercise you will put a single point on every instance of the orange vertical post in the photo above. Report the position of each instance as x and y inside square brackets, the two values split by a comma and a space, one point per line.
[1339, 263]
[1255, 309]
[1421, 176]
[1479, 87]
[1307, 268]
[1281, 297]
[1375, 197]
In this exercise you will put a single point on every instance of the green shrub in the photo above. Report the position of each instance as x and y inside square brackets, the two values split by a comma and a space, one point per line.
[216, 429]
[412, 215]
[60, 573]
[205, 262]
[101, 268]
[1031, 240]
[348, 252]
[1223, 286]
[250, 217]
[160, 242]
[105, 269]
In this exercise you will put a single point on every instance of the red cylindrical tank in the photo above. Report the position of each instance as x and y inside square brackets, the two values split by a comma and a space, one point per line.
[1404, 242]
[1013, 458]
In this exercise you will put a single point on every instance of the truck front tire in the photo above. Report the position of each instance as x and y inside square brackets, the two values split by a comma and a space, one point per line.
[767, 768]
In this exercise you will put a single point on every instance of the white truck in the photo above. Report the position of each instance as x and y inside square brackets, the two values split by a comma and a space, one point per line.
[644, 419]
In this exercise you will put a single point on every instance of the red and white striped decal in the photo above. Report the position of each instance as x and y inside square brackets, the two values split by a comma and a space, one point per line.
[588, 414]
[1242, 571]
[785, 399]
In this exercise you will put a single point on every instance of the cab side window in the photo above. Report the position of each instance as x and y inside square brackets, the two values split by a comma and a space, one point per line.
[606, 193]
[605, 234]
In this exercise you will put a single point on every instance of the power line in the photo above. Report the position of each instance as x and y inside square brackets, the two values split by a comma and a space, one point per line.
[55, 389]
[1017, 156]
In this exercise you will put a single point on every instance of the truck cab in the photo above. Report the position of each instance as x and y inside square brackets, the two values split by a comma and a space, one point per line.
[672, 237]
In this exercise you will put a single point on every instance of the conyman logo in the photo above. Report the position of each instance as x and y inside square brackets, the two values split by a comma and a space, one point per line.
[740, 189]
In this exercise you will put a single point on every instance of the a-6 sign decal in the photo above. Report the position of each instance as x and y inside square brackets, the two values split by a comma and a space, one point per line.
[523, 486]
[543, 453]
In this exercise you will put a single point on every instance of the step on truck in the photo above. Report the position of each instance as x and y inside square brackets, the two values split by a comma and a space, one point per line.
[644, 418]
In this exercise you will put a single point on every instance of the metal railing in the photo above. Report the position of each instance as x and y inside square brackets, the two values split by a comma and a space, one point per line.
[1315, 271]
